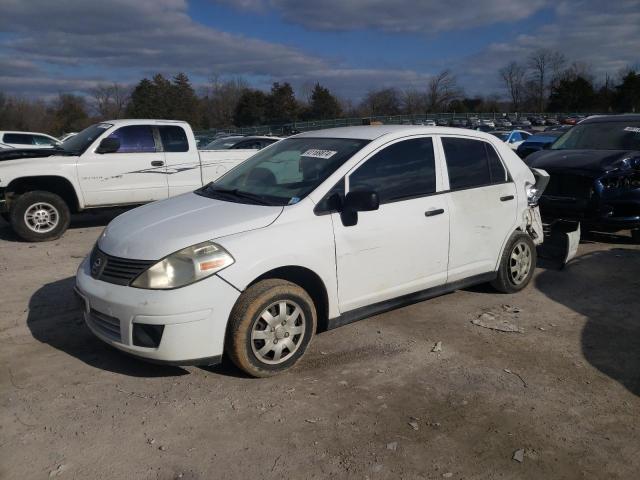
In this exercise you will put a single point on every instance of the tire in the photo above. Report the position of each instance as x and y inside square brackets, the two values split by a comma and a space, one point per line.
[517, 264]
[635, 235]
[52, 218]
[250, 333]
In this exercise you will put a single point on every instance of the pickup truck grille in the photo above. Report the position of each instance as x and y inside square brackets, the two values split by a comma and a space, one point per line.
[572, 186]
[120, 271]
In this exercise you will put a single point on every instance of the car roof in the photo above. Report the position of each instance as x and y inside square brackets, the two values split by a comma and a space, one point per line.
[2, 132]
[372, 132]
[630, 117]
[143, 121]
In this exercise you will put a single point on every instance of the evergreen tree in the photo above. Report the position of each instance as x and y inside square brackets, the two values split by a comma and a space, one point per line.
[282, 104]
[185, 102]
[323, 104]
[251, 108]
[628, 93]
[572, 95]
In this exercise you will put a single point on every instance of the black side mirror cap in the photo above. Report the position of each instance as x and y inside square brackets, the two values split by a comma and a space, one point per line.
[108, 145]
[364, 201]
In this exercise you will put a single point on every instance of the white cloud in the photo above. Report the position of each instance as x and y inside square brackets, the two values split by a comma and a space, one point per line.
[395, 15]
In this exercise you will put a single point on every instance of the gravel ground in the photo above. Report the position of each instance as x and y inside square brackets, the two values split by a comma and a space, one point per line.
[369, 400]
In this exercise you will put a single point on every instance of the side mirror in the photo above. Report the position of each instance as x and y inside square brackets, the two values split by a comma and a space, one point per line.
[108, 145]
[355, 202]
[361, 201]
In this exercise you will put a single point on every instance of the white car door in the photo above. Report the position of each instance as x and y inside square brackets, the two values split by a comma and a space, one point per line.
[482, 203]
[134, 174]
[402, 247]
[184, 173]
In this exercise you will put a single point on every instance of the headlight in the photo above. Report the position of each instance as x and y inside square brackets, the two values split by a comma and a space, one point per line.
[185, 266]
[533, 194]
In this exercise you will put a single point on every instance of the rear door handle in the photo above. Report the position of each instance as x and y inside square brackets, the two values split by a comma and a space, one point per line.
[157, 163]
[506, 198]
[431, 213]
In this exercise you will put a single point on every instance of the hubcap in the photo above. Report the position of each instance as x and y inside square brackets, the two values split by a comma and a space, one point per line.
[520, 262]
[278, 332]
[41, 217]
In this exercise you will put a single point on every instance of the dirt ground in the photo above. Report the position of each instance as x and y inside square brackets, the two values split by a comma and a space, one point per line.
[369, 400]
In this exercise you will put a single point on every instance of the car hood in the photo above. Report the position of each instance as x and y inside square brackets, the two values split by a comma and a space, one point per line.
[22, 153]
[153, 231]
[588, 161]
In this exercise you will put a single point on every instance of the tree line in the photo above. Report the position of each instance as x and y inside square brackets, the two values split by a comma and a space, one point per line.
[544, 81]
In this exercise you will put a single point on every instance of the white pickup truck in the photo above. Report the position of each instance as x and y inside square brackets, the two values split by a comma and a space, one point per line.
[111, 164]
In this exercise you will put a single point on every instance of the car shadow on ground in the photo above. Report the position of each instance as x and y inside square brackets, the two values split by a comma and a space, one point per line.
[55, 318]
[603, 287]
[84, 220]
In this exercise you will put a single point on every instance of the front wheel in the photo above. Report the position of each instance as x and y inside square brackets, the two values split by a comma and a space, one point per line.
[517, 264]
[270, 327]
[39, 216]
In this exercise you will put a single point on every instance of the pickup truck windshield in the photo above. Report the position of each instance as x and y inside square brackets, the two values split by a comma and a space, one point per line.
[284, 173]
[601, 136]
[77, 144]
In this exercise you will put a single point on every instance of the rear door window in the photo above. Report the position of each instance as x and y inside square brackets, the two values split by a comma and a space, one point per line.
[18, 138]
[174, 138]
[472, 163]
[401, 171]
[135, 139]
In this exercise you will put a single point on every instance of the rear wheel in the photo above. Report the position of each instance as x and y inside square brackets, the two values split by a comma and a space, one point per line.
[517, 264]
[270, 327]
[39, 216]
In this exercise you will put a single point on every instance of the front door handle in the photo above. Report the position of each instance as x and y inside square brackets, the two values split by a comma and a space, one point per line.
[431, 213]
[506, 198]
[157, 163]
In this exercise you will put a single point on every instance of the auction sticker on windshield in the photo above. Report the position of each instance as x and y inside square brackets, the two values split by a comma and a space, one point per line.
[315, 153]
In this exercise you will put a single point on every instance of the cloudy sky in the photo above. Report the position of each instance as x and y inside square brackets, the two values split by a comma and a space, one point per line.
[351, 46]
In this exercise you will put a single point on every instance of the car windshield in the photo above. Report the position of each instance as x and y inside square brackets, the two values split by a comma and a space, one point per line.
[501, 136]
[285, 172]
[223, 143]
[601, 136]
[77, 144]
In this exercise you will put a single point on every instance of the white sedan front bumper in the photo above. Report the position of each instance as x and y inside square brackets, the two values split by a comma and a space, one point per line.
[194, 317]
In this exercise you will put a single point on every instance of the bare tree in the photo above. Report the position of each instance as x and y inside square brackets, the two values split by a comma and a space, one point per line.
[413, 102]
[546, 66]
[221, 100]
[513, 77]
[110, 100]
[441, 90]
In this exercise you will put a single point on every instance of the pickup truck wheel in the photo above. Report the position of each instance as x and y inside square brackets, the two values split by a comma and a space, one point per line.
[270, 327]
[39, 216]
[517, 264]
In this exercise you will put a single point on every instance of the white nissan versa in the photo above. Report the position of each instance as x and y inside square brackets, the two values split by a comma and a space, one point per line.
[315, 231]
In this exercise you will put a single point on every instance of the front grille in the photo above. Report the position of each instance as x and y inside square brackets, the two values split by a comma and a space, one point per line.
[121, 271]
[107, 325]
[572, 186]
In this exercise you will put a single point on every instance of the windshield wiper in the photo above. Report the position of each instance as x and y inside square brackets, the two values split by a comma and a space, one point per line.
[234, 192]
